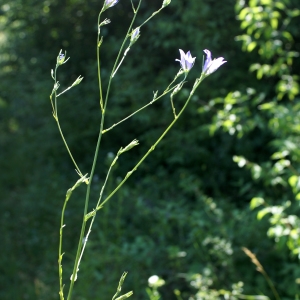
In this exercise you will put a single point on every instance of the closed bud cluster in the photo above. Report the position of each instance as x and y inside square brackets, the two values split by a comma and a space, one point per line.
[135, 34]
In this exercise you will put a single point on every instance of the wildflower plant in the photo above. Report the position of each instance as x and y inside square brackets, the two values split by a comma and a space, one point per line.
[186, 62]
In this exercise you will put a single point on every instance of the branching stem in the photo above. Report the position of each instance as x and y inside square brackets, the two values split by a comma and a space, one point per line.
[80, 242]
[166, 91]
[197, 83]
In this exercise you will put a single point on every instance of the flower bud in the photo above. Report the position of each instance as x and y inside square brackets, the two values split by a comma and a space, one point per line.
[61, 58]
[166, 3]
[82, 179]
[105, 22]
[77, 81]
[75, 277]
[109, 3]
[177, 89]
[55, 87]
[128, 147]
[135, 34]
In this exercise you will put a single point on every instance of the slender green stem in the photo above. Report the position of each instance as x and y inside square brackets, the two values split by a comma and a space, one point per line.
[80, 245]
[60, 270]
[173, 107]
[197, 83]
[102, 109]
[106, 179]
[67, 89]
[76, 264]
[94, 216]
[177, 89]
[55, 114]
[166, 91]
[177, 75]
[60, 254]
[59, 128]
[53, 109]
[121, 48]
[124, 55]
[155, 13]
[98, 64]
[71, 156]
[148, 104]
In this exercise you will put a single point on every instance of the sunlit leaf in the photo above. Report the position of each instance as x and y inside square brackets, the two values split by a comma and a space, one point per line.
[256, 201]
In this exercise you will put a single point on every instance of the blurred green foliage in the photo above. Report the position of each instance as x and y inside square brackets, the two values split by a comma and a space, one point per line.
[184, 216]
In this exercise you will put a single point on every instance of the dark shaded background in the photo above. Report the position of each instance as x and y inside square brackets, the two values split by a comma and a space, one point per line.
[186, 210]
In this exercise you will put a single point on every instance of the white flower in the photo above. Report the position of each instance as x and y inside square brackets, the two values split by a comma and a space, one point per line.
[153, 279]
[155, 282]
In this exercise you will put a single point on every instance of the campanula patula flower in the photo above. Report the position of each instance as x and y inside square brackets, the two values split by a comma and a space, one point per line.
[186, 60]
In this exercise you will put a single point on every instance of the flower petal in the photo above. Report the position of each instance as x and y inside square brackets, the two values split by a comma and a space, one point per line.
[186, 60]
[210, 65]
[110, 3]
[207, 61]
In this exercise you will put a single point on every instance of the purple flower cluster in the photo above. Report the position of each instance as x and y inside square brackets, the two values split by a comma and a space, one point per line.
[210, 65]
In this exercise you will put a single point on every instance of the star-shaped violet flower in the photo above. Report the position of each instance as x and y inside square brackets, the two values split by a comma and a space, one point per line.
[109, 3]
[186, 60]
[210, 65]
